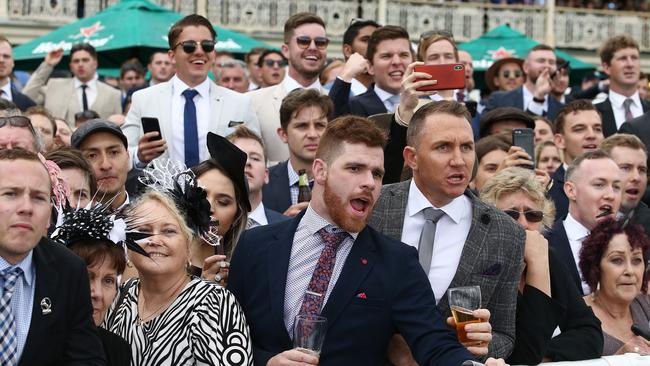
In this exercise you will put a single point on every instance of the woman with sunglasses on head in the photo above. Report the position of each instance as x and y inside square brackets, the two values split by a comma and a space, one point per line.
[546, 299]
[613, 263]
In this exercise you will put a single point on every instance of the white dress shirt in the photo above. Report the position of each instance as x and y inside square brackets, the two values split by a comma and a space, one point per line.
[91, 91]
[258, 216]
[291, 84]
[356, 88]
[385, 97]
[6, 92]
[616, 100]
[202, 104]
[451, 233]
[576, 233]
[533, 106]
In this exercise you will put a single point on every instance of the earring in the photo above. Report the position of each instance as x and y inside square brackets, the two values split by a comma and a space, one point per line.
[129, 263]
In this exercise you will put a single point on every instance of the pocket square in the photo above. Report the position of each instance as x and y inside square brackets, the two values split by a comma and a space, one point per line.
[235, 123]
[361, 295]
[492, 270]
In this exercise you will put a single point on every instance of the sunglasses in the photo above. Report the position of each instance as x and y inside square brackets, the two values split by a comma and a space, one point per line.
[86, 115]
[190, 46]
[530, 215]
[437, 32]
[271, 63]
[17, 121]
[515, 74]
[305, 41]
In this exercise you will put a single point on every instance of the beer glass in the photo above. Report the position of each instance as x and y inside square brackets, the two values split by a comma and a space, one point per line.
[309, 333]
[462, 302]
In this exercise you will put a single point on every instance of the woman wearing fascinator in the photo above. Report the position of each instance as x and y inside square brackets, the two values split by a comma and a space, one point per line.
[168, 316]
[223, 179]
[100, 238]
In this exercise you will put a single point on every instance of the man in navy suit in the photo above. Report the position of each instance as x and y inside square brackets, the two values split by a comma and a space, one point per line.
[256, 175]
[7, 90]
[389, 54]
[303, 117]
[45, 308]
[534, 96]
[327, 262]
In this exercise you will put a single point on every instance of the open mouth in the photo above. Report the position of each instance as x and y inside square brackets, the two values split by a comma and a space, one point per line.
[157, 255]
[590, 147]
[360, 205]
[198, 62]
[605, 210]
[456, 178]
[397, 74]
[312, 58]
[632, 191]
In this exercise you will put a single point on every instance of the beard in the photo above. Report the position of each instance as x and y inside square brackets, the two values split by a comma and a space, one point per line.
[337, 208]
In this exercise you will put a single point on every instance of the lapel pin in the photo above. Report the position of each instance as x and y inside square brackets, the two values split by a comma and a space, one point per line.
[364, 261]
[46, 306]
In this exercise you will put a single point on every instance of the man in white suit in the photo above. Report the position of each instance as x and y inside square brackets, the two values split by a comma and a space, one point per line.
[189, 105]
[305, 46]
[64, 97]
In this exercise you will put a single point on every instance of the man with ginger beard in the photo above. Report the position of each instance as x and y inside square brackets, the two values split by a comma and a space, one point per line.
[328, 262]
[473, 244]
[593, 187]
[305, 48]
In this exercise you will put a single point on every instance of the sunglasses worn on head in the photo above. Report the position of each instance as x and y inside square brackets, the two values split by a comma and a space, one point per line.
[530, 215]
[190, 46]
[271, 63]
[17, 121]
[515, 74]
[305, 41]
[437, 32]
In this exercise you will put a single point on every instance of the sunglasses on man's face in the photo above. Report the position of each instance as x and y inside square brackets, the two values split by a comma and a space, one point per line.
[271, 63]
[530, 215]
[305, 41]
[515, 74]
[190, 46]
[17, 121]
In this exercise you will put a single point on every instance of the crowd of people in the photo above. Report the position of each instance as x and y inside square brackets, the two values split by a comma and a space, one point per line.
[185, 221]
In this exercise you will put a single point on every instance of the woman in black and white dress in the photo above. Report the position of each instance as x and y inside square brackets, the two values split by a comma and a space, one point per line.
[168, 317]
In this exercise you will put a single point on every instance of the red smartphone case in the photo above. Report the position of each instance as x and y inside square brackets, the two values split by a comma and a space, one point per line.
[449, 76]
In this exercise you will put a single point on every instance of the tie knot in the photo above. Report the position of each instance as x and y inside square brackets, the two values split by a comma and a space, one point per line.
[10, 276]
[432, 214]
[460, 96]
[627, 103]
[84, 86]
[332, 239]
[189, 94]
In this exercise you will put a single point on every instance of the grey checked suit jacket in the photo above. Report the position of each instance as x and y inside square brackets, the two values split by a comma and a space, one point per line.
[491, 258]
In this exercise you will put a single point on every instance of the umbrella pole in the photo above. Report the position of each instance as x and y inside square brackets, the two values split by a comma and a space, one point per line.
[550, 23]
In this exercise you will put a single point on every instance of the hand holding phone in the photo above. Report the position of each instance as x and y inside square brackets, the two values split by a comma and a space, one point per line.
[151, 124]
[525, 139]
[448, 76]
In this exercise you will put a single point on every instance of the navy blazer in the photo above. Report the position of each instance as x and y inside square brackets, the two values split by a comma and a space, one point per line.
[557, 194]
[276, 194]
[558, 240]
[21, 100]
[382, 290]
[607, 115]
[515, 98]
[67, 334]
[340, 95]
[367, 104]
[273, 216]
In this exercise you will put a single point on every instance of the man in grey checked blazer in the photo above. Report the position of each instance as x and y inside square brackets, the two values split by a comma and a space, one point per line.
[440, 152]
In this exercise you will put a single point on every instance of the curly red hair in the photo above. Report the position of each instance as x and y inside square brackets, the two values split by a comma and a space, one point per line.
[596, 244]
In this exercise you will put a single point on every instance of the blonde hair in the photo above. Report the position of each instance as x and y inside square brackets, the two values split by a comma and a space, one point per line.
[514, 179]
[170, 205]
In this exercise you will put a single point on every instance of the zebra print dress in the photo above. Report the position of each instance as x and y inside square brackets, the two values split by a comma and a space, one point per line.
[204, 326]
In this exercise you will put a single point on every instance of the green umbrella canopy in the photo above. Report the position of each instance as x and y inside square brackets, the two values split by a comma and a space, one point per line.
[130, 28]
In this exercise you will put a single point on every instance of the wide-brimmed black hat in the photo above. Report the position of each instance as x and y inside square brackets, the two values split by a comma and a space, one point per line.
[232, 160]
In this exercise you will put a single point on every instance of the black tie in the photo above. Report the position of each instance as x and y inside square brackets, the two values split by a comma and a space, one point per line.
[84, 98]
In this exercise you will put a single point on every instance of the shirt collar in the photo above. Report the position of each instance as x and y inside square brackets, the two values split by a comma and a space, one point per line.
[179, 87]
[7, 89]
[314, 222]
[528, 94]
[27, 265]
[291, 84]
[382, 94]
[617, 99]
[455, 209]
[91, 83]
[293, 175]
[575, 231]
[258, 214]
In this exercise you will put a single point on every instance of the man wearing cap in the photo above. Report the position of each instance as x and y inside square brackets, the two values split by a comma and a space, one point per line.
[503, 119]
[105, 146]
[534, 96]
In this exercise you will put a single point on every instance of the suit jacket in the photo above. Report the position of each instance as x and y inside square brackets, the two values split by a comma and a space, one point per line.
[276, 194]
[640, 127]
[607, 115]
[59, 96]
[21, 100]
[66, 335]
[340, 95]
[227, 110]
[491, 258]
[557, 194]
[558, 240]
[266, 104]
[641, 216]
[273, 216]
[515, 98]
[367, 104]
[381, 290]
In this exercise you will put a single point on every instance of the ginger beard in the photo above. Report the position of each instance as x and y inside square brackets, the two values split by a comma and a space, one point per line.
[338, 207]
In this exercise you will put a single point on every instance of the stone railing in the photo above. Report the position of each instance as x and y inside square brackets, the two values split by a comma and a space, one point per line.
[574, 28]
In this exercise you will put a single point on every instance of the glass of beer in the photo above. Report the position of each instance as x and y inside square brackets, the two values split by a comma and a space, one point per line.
[309, 333]
[462, 302]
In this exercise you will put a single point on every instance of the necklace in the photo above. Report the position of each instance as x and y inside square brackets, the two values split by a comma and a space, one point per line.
[145, 318]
